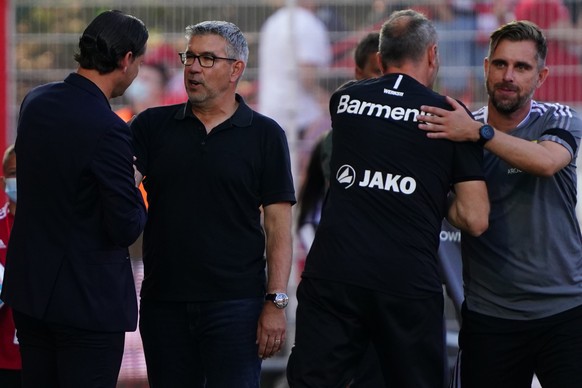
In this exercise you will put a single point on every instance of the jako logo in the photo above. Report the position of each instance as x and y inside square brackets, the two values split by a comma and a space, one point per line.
[346, 175]
[388, 182]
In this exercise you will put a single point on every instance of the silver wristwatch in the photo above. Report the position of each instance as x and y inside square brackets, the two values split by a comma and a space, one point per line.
[279, 299]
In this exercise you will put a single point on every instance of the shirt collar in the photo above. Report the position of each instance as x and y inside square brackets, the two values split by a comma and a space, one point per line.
[242, 117]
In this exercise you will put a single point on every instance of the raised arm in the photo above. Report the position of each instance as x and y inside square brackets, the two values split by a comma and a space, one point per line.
[542, 159]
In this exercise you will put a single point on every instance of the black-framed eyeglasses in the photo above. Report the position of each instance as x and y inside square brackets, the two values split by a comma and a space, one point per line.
[205, 60]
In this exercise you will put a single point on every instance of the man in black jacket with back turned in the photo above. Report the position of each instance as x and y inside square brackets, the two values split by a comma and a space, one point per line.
[68, 275]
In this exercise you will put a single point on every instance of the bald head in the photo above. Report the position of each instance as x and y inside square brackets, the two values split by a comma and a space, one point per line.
[405, 36]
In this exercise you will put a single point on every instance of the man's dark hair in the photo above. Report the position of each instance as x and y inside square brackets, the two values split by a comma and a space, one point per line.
[405, 36]
[368, 45]
[518, 31]
[108, 38]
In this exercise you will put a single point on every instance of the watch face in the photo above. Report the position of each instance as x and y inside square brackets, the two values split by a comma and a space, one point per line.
[487, 132]
[281, 300]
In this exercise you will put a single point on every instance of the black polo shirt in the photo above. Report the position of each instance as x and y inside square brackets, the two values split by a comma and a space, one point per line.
[203, 239]
[389, 183]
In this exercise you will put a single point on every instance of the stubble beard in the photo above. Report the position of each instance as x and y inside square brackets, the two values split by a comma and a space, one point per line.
[507, 105]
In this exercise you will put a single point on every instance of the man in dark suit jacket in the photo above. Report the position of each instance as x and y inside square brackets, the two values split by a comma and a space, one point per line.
[68, 274]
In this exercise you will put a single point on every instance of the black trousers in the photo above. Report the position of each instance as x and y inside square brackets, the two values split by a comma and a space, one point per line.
[505, 353]
[337, 323]
[59, 356]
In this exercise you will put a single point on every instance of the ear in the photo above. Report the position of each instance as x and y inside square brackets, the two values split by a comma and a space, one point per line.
[238, 69]
[433, 56]
[380, 63]
[542, 75]
[127, 59]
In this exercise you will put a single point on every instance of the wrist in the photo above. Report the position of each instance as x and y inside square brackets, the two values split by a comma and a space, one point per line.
[485, 133]
[475, 131]
[279, 299]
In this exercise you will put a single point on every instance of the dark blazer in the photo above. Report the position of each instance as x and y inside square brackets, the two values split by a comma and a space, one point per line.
[78, 211]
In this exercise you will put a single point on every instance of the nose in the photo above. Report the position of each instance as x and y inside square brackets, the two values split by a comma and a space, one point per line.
[508, 75]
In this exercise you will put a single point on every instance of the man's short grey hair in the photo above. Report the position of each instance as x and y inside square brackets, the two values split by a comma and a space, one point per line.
[236, 43]
[405, 36]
